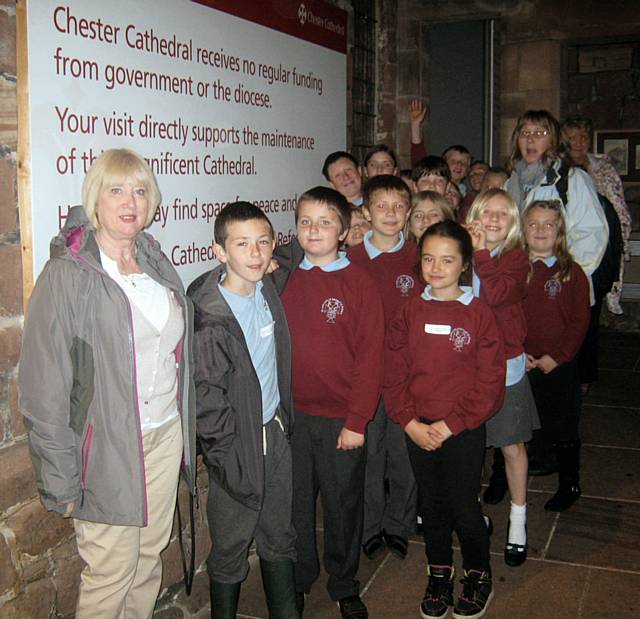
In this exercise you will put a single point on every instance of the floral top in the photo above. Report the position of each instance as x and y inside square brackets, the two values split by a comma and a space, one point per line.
[609, 184]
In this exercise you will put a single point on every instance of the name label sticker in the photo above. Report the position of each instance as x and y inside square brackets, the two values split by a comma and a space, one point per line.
[267, 330]
[437, 329]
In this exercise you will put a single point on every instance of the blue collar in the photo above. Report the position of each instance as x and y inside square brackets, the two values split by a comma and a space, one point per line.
[342, 262]
[374, 252]
[549, 261]
[465, 298]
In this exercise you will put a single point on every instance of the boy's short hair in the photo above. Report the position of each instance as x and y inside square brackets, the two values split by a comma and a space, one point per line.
[381, 148]
[458, 148]
[333, 157]
[385, 182]
[495, 170]
[333, 200]
[431, 165]
[477, 162]
[236, 211]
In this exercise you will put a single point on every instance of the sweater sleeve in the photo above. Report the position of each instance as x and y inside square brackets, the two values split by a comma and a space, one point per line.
[398, 402]
[366, 381]
[484, 398]
[577, 315]
[45, 380]
[418, 151]
[502, 279]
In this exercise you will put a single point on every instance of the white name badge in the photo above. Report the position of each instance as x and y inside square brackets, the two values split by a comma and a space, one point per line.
[437, 329]
[267, 330]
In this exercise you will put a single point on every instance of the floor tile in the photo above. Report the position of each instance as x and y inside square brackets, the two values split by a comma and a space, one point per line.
[615, 388]
[610, 425]
[598, 533]
[604, 472]
[618, 358]
[619, 339]
[609, 594]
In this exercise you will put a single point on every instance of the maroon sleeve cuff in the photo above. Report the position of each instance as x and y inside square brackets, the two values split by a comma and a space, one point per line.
[355, 423]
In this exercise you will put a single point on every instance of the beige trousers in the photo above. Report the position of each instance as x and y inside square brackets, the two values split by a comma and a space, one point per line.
[123, 571]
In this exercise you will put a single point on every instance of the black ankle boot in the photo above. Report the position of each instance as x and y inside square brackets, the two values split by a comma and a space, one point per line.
[498, 482]
[569, 491]
[224, 599]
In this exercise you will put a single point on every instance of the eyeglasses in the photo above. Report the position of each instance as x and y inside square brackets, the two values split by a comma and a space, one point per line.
[533, 134]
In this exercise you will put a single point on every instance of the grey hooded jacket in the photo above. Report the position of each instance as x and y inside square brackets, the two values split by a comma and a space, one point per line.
[77, 380]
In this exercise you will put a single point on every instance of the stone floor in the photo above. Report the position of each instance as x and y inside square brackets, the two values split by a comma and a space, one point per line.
[584, 563]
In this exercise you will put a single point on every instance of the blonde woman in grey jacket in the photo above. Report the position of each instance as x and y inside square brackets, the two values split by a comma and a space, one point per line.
[105, 387]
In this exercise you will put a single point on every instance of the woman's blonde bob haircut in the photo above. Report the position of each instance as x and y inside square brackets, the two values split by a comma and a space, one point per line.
[514, 237]
[113, 167]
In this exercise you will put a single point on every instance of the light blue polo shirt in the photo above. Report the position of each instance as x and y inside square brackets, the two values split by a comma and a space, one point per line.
[258, 327]
[374, 252]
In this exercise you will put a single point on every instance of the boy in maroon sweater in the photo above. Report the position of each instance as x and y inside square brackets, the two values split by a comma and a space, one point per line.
[390, 519]
[336, 320]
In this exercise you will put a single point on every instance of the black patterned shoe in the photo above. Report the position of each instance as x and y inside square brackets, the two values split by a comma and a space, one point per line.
[439, 593]
[353, 607]
[477, 592]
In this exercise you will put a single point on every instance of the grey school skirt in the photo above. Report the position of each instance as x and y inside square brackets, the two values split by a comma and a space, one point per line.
[517, 419]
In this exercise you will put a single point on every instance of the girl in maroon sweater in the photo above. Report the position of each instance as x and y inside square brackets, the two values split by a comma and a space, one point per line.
[500, 268]
[557, 312]
[444, 377]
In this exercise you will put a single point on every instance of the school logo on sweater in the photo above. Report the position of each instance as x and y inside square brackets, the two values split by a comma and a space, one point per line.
[553, 287]
[332, 308]
[404, 283]
[460, 338]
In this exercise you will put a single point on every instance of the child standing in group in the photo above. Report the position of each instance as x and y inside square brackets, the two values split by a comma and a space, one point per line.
[337, 328]
[389, 519]
[557, 312]
[242, 374]
[358, 227]
[445, 376]
[427, 208]
[500, 269]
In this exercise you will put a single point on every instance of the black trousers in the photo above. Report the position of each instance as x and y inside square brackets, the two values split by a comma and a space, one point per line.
[318, 467]
[448, 485]
[559, 401]
[588, 353]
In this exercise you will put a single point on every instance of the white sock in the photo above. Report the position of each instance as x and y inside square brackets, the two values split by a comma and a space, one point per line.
[517, 523]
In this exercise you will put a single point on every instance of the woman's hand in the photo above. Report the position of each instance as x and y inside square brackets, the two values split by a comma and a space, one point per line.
[69, 510]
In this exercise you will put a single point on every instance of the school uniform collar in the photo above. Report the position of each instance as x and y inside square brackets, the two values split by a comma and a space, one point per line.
[549, 261]
[465, 298]
[341, 262]
[374, 252]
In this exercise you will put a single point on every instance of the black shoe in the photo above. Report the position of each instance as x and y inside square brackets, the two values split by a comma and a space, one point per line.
[374, 547]
[439, 594]
[568, 493]
[300, 602]
[476, 595]
[396, 544]
[353, 608]
[515, 554]
[495, 491]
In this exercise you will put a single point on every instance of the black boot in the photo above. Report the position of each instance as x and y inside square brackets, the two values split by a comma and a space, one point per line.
[279, 586]
[497, 487]
[569, 492]
[224, 599]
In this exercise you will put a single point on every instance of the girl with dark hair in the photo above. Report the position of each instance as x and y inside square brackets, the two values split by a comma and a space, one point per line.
[445, 378]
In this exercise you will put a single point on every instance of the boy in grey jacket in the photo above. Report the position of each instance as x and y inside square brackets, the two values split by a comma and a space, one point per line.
[242, 373]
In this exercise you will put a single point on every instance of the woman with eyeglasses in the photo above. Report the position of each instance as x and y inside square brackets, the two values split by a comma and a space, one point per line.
[537, 153]
[538, 170]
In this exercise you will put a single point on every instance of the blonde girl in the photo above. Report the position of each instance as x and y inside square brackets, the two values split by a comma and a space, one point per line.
[427, 208]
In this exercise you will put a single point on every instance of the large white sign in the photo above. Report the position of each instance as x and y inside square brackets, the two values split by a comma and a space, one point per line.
[221, 107]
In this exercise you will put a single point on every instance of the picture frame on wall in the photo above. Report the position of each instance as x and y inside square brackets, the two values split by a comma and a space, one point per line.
[623, 148]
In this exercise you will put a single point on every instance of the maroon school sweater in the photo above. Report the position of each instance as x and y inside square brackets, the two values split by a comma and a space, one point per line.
[394, 273]
[444, 360]
[502, 287]
[557, 312]
[337, 340]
